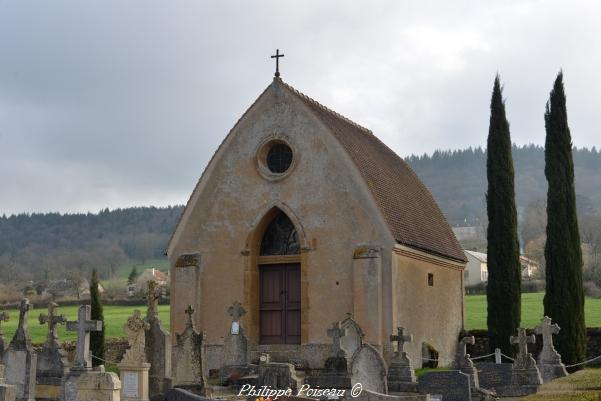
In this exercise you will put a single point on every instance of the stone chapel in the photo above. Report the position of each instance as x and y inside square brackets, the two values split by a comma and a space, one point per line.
[305, 218]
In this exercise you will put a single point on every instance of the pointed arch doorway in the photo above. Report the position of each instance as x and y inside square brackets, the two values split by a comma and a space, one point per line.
[279, 283]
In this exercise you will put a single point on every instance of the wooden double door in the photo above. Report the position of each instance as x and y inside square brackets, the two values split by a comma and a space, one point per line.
[280, 303]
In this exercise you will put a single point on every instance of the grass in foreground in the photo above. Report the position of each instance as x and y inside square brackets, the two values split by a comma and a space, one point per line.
[114, 318]
[584, 385]
[532, 311]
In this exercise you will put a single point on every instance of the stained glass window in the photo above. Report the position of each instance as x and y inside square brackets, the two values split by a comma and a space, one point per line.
[280, 237]
[279, 158]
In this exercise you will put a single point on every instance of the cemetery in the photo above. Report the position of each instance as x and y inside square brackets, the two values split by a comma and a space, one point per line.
[311, 263]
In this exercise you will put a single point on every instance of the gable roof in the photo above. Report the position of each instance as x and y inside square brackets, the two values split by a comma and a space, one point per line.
[410, 211]
[408, 207]
[482, 257]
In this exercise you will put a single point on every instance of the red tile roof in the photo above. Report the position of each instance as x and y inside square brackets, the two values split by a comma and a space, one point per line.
[411, 212]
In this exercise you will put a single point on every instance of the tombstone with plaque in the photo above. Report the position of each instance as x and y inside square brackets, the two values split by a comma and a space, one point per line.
[235, 348]
[451, 385]
[134, 367]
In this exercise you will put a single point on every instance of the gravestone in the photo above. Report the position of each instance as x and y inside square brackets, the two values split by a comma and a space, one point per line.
[20, 359]
[450, 385]
[401, 376]
[82, 362]
[188, 357]
[133, 367]
[7, 391]
[98, 385]
[235, 348]
[495, 376]
[463, 362]
[52, 359]
[276, 375]
[352, 339]
[369, 369]
[335, 373]
[4, 317]
[525, 376]
[549, 360]
[158, 345]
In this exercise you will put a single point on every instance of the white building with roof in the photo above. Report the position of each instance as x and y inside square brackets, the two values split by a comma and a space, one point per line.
[476, 270]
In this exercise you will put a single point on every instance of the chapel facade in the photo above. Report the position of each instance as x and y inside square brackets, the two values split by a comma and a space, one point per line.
[305, 218]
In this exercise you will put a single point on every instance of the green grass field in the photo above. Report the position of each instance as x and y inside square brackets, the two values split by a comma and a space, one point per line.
[114, 317]
[532, 311]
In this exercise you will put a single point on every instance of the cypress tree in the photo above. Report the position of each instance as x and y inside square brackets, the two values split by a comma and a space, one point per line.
[564, 297]
[504, 271]
[96, 337]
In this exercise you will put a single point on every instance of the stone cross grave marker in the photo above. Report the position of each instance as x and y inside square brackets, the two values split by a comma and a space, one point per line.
[236, 311]
[134, 367]
[188, 357]
[53, 320]
[549, 360]
[152, 299]
[335, 333]
[463, 362]
[158, 344]
[522, 359]
[401, 376]
[525, 376]
[21, 359]
[401, 338]
[83, 326]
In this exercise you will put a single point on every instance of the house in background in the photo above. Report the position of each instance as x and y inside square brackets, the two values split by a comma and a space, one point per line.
[476, 270]
[152, 274]
[530, 268]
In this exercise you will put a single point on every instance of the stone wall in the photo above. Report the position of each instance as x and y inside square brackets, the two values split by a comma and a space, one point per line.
[481, 345]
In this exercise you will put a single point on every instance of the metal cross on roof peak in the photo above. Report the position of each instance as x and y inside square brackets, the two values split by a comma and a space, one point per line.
[277, 61]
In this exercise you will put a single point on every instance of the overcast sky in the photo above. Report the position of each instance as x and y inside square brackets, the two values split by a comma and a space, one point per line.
[122, 103]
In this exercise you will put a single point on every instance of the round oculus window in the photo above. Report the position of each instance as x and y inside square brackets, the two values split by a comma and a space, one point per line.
[279, 158]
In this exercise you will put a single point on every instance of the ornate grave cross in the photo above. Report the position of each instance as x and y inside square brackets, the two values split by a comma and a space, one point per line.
[401, 338]
[135, 330]
[236, 311]
[53, 321]
[336, 332]
[152, 298]
[546, 328]
[83, 326]
[21, 338]
[277, 62]
[189, 311]
[522, 340]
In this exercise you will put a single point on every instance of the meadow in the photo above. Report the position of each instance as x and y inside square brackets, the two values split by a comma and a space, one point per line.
[115, 316]
[532, 311]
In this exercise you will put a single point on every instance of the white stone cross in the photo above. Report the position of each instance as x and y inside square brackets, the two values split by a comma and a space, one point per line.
[401, 338]
[522, 340]
[53, 320]
[83, 326]
[547, 329]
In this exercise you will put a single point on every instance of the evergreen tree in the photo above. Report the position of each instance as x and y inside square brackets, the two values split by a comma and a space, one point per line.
[504, 271]
[564, 297]
[96, 337]
[133, 275]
